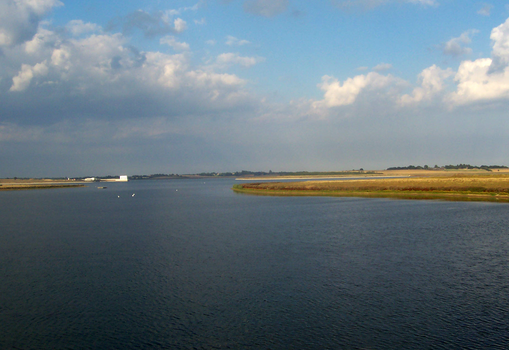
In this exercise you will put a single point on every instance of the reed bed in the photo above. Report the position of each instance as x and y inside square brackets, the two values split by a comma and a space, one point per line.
[476, 187]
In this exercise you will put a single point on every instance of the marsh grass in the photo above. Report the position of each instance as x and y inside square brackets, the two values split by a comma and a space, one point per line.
[457, 187]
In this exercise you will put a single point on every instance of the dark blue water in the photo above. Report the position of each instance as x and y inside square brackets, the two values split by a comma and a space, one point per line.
[191, 265]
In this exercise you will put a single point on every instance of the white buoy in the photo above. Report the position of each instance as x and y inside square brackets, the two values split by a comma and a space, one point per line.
[118, 196]
[133, 195]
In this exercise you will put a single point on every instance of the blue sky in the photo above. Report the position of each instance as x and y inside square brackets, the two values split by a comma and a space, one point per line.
[139, 87]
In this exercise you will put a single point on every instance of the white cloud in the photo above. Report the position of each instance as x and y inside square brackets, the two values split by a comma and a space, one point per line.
[233, 41]
[60, 58]
[78, 27]
[171, 41]
[431, 84]
[19, 19]
[342, 94]
[44, 40]
[211, 42]
[266, 8]
[229, 58]
[22, 81]
[213, 80]
[168, 14]
[200, 22]
[455, 47]
[104, 76]
[486, 78]
[180, 25]
[485, 10]
[382, 67]
[500, 52]
[481, 80]
[475, 83]
[97, 93]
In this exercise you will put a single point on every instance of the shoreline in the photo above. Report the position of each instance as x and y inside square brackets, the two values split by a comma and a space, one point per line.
[494, 188]
[36, 187]
[19, 185]
[453, 196]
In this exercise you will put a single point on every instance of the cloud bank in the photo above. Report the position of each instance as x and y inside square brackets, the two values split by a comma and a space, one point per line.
[19, 20]
[88, 92]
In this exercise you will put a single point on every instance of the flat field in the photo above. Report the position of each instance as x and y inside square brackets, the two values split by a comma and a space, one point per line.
[32, 184]
[455, 186]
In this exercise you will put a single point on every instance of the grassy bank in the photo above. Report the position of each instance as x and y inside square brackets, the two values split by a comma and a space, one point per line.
[15, 187]
[457, 187]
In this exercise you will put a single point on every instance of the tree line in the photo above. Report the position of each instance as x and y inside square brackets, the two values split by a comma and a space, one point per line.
[449, 167]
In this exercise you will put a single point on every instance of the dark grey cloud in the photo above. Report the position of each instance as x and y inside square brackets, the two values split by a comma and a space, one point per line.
[457, 46]
[371, 4]
[498, 65]
[105, 78]
[187, 144]
[485, 10]
[298, 13]
[19, 20]
[150, 25]
[365, 4]
[265, 8]
[137, 57]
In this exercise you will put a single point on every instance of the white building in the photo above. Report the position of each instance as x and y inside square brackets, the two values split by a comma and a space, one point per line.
[123, 178]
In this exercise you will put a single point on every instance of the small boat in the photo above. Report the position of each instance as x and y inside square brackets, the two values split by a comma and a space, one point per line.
[102, 187]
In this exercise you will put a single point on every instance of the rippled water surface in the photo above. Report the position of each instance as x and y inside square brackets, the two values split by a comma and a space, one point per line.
[187, 264]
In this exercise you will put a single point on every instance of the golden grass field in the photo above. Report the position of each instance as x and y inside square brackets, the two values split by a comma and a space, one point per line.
[488, 186]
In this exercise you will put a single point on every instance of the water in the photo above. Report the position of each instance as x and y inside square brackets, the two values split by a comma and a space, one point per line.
[191, 265]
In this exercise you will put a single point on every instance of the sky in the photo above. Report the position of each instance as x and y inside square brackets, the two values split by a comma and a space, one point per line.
[177, 87]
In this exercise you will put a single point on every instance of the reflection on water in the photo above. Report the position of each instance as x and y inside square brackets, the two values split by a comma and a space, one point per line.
[187, 264]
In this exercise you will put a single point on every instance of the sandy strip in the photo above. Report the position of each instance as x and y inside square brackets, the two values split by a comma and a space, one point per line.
[6, 185]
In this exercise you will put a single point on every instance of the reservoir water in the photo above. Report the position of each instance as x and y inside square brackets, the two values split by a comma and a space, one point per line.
[189, 264]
